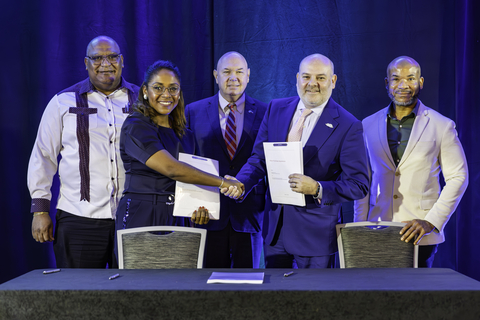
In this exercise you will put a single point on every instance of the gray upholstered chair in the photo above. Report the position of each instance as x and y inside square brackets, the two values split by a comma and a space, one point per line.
[161, 247]
[374, 245]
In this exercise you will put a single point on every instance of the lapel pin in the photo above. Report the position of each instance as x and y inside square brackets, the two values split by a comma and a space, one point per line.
[329, 125]
[250, 111]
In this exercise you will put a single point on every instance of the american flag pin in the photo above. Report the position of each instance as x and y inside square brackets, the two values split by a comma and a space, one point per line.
[329, 125]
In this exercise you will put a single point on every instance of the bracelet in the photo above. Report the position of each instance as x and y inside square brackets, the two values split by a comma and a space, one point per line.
[39, 213]
[223, 180]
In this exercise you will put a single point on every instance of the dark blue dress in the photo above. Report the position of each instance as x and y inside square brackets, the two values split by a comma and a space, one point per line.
[149, 195]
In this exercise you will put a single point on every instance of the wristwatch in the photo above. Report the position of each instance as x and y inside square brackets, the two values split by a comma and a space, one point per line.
[315, 196]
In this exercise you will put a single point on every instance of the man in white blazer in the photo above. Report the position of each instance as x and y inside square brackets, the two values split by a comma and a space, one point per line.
[408, 145]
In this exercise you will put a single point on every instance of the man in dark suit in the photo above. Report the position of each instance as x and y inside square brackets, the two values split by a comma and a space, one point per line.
[225, 128]
[335, 169]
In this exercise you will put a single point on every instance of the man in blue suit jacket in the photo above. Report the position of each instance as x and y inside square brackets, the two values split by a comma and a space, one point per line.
[235, 240]
[335, 169]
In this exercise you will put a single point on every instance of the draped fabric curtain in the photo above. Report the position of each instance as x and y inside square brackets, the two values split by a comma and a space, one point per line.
[44, 43]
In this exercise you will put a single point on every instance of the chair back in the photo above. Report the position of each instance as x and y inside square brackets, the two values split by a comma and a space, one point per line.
[374, 244]
[161, 247]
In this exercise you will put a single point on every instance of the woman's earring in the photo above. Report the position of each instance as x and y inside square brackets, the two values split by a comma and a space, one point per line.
[144, 97]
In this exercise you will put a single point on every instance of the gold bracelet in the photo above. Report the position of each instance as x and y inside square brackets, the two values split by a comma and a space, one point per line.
[220, 187]
[39, 213]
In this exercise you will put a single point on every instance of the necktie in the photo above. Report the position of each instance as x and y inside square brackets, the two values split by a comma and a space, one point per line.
[231, 132]
[295, 133]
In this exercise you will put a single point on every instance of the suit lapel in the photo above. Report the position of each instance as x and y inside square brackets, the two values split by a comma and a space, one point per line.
[382, 136]
[249, 114]
[213, 119]
[421, 122]
[286, 111]
[324, 128]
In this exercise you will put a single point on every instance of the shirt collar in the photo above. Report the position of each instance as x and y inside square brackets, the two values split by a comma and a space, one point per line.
[240, 103]
[317, 110]
[391, 111]
[87, 86]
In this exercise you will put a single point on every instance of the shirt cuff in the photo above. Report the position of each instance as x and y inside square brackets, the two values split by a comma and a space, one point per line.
[40, 205]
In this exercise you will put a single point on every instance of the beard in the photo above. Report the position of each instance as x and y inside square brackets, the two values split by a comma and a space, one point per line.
[404, 103]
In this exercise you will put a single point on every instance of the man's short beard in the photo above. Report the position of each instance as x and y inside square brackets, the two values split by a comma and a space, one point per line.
[404, 104]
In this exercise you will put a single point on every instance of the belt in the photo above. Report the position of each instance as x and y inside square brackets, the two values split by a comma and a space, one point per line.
[169, 199]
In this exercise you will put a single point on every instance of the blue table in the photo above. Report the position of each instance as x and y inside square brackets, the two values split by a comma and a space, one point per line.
[185, 294]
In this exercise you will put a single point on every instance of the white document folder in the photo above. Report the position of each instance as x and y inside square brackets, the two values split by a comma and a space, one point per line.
[188, 197]
[237, 277]
[283, 159]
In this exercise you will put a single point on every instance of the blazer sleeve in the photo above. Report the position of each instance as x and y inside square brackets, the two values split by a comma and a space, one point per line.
[354, 181]
[361, 207]
[254, 170]
[455, 172]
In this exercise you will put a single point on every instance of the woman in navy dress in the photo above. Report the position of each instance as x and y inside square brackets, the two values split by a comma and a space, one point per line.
[151, 139]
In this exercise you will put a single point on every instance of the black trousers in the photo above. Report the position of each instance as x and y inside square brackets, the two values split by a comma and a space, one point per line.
[228, 248]
[83, 242]
[426, 254]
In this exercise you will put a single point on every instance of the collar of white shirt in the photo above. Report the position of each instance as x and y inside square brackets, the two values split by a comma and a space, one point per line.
[310, 121]
[240, 103]
[317, 110]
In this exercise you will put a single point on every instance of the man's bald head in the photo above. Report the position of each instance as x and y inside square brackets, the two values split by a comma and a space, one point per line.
[320, 58]
[402, 62]
[99, 39]
[229, 55]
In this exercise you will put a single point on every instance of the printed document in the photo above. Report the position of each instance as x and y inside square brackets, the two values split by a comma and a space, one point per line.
[188, 197]
[283, 159]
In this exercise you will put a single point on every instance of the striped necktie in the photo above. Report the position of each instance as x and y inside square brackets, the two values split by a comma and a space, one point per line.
[231, 131]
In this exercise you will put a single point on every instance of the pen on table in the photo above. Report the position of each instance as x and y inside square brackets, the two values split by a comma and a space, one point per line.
[51, 271]
[115, 276]
[288, 274]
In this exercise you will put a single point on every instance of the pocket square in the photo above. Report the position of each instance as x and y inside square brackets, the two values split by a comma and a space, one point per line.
[329, 125]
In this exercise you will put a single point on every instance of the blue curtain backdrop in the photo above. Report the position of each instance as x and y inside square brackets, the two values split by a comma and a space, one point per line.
[44, 42]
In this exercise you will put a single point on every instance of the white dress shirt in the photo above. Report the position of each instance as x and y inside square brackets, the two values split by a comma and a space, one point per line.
[310, 121]
[57, 136]
[308, 126]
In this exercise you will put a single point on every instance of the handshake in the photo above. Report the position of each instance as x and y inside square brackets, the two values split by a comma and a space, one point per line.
[232, 188]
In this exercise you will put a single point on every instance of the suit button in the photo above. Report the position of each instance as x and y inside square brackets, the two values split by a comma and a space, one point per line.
[232, 167]
[395, 196]
[397, 174]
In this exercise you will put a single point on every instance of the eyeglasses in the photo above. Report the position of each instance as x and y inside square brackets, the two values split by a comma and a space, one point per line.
[112, 58]
[173, 91]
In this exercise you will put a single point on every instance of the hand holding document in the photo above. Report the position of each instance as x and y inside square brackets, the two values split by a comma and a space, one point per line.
[189, 197]
[200, 216]
[283, 159]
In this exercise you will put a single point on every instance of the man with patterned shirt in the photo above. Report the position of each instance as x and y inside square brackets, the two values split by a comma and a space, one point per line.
[82, 124]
